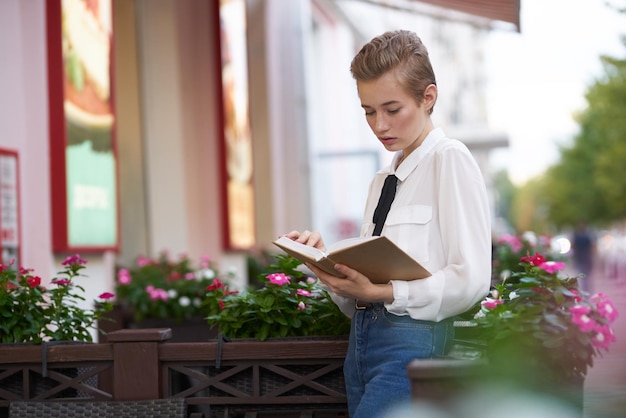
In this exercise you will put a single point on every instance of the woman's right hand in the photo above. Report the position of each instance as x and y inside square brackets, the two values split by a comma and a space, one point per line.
[312, 238]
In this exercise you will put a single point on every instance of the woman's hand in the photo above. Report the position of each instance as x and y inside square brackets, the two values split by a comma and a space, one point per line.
[354, 285]
[312, 238]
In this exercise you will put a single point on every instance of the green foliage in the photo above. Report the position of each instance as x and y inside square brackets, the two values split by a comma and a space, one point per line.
[31, 313]
[165, 289]
[589, 183]
[287, 304]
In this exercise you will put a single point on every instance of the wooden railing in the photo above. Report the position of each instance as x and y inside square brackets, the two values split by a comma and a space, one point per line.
[226, 378]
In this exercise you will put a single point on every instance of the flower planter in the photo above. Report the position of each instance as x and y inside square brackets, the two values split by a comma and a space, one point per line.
[526, 364]
[189, 330]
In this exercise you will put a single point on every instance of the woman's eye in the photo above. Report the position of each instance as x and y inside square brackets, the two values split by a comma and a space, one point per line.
[369, 113]
[393, 111]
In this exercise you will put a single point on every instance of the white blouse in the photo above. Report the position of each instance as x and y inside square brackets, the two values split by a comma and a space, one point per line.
[440, 216]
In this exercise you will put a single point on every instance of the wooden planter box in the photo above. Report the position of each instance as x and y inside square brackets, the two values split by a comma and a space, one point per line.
[283, 378]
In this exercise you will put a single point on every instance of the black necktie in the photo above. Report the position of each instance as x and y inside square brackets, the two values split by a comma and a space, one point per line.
[384, 203]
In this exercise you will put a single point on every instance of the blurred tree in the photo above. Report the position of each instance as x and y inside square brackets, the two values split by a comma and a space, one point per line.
[528, 207]
[589, 182]
[505, 191]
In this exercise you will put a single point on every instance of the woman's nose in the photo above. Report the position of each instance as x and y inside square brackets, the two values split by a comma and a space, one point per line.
[381, 124]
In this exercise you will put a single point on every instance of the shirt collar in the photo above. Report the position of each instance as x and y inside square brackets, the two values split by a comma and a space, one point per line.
[414, 158]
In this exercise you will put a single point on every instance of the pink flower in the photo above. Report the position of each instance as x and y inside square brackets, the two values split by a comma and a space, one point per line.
[301, 306]
[604, 337]
[62, 282]
[491, 303]
[74, 260]
[578, 310]
[190, 276]
[25, 271]
[584, 322]
[552, 266]
[123, 277]
[216, 284]
[279, 279]
[534, 260]
[106, 295]
[577, 297]
[513, 241]
[156, 293]
[205, 262]
[143, 261]
[605, 307]
[33, 281]
[303, 292]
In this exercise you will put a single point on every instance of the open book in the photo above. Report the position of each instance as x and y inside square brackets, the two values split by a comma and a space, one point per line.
[376, 257]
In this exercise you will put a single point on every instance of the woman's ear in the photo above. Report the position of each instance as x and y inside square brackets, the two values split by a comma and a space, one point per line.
[430, 96]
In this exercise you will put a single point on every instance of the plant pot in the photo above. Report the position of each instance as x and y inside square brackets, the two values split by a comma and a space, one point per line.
[526, 364]
[194, 329]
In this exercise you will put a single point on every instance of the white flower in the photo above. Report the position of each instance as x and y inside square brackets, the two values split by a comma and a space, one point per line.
[196, 302]
[172, 293]
[513, 295]
[184, 301]
[530, 237]
[208, 273]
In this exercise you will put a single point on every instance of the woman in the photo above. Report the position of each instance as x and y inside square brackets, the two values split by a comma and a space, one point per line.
[439, 215]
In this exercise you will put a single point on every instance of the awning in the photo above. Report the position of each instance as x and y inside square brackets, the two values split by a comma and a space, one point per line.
[503, 10]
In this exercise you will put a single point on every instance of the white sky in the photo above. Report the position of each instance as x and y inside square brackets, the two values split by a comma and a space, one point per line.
[537, 79]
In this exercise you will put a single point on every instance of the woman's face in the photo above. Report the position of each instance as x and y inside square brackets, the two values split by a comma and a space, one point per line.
[395, 117]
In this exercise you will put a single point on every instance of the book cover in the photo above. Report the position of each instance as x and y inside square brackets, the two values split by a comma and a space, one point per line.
[377, 257]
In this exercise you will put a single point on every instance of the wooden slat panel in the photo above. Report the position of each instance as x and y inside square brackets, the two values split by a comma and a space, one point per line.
[260, 350]
[13, 354]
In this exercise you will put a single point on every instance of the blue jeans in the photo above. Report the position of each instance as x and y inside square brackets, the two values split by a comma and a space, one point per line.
[381, 347]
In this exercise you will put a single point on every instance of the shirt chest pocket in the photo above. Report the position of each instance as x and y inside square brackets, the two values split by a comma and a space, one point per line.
[409, 227]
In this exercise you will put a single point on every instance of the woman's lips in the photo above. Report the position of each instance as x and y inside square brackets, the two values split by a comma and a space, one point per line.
[387, 140]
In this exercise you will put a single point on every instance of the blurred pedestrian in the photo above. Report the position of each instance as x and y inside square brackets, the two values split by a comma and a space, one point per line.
[583, 246]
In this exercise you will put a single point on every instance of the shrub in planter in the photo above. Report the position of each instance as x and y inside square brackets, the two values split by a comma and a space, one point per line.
[286, 303]
[31, 313]
[541, 329]
[165, 289]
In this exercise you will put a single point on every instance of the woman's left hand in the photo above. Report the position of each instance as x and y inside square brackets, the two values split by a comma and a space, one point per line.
[354, 285]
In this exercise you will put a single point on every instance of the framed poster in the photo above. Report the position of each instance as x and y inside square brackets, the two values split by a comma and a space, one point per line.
[83, 160]
[239, 208]
[10, 226]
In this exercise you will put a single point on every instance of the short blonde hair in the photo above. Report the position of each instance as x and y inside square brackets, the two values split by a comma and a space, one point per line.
[400, 50]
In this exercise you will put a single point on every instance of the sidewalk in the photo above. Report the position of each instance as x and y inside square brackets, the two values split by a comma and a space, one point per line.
[605, 386]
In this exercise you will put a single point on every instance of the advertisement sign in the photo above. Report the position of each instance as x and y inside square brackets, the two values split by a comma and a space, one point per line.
[82, 120]
[9, 209]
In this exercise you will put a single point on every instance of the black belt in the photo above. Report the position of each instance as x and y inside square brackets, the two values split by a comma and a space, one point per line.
[360, 305]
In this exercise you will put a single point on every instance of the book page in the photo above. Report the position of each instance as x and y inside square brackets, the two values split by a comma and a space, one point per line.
[307, 250]
[349, 242]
